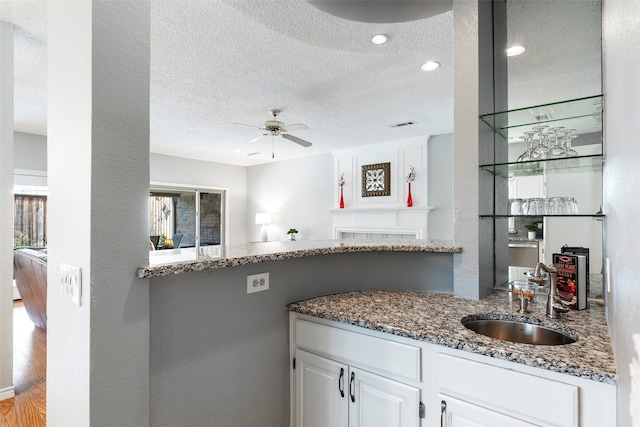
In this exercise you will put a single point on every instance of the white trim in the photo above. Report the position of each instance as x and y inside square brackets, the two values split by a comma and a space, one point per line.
[382, 209]
[7, 393]
[416, 231]
[29, 172]
[381, 221]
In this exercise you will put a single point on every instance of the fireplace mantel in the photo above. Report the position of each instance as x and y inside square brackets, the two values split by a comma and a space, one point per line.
[373, 222]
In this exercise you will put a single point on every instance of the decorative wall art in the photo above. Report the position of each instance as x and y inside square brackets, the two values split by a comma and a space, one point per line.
[376, 180]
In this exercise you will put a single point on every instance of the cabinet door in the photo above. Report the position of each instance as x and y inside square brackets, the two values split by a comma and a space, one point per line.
[321, 395]
[458, 413]
[376, 401]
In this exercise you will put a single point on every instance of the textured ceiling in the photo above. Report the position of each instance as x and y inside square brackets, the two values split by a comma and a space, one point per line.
[214, 63]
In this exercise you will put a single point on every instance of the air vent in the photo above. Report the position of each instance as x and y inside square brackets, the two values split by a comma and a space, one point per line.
[399, 125]
[253, 154]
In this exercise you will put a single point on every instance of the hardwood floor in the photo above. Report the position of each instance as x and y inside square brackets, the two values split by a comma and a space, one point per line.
[28, 407]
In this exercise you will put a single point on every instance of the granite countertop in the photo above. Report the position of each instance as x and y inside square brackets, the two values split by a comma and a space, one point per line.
[253, 253]
[436, 319]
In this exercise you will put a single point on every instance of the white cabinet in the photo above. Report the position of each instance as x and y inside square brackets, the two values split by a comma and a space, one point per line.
[350, 376]
[377, 401]
[347, 379]
[458, 413]
[321, 398]
[496, 393]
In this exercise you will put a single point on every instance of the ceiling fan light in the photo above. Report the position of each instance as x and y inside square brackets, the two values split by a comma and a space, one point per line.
[515, 50]
[430, 66]
[380, 39]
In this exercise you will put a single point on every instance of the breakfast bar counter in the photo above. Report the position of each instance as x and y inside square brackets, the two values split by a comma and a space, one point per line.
[253, 253]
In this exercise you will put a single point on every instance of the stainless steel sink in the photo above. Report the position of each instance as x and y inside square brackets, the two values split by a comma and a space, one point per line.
[519, 331]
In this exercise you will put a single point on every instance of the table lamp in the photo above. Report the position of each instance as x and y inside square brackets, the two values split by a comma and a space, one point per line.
[264, 219]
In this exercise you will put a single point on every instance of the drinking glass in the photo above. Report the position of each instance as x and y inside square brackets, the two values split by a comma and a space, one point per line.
[528, 139]
[515, 207]
[555, 149]
[570, 206]
[541, 151]
[536, 206]
[569, 134]
[556, 206]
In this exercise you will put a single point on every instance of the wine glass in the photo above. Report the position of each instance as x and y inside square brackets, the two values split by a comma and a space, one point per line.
[555, 149]
[569, 134]
[528, 139]
[541, 151]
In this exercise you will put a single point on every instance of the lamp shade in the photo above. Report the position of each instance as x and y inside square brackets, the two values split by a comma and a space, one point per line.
[263, 218]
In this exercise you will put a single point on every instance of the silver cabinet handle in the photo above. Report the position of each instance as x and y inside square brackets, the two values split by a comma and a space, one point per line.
[443, 411]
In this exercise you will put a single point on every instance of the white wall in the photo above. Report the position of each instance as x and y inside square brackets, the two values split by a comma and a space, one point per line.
[621, 29]
[298, 194]
[6, 210]
[198, 173]
[440, 172]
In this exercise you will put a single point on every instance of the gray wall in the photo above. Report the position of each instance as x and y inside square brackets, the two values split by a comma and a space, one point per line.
[30, 159]
[440, 172]
[220, 357]
[30, 151]
[621, 29]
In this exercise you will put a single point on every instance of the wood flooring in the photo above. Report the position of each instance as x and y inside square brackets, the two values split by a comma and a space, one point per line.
[28, 407]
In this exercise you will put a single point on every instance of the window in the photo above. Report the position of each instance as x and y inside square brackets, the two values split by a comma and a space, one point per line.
[30, 217]
[185, 224]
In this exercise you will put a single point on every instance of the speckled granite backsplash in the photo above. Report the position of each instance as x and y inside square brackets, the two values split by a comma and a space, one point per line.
[436, 318]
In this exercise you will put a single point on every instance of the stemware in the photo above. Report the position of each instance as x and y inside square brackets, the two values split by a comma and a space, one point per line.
[528, 139]
[541, 151]
[569, 134]
[555, 149]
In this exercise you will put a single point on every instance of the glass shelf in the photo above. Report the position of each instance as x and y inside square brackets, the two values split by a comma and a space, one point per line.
[595, 215]
[582, 114]
[549, 166]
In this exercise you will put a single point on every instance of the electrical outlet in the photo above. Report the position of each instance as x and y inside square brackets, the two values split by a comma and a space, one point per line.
[257, 282]
[71, 283]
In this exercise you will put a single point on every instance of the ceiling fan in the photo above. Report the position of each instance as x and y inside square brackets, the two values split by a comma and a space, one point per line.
[275, 128]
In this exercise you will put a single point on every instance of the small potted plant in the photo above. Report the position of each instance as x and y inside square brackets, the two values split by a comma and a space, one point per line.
[292, 233]
[533, 229]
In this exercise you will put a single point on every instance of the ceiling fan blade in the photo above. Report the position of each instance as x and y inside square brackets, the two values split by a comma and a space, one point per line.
[296, 140]
[255, 139]
[249, 126]
[295, 126]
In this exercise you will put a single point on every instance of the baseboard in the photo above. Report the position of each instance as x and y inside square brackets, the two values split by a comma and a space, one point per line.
[7, 393]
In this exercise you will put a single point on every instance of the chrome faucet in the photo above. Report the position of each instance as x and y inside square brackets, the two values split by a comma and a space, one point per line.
[553, 310]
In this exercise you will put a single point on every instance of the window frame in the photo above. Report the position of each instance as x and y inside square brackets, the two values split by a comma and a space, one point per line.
[197, 190]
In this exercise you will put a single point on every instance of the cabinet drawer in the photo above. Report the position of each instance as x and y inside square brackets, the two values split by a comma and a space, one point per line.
[359, 349]
[524, 396]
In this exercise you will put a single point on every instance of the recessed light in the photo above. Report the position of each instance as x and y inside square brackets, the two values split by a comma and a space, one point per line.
[515, 50]
[380, 39]
[237, 151]
[430, 66]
